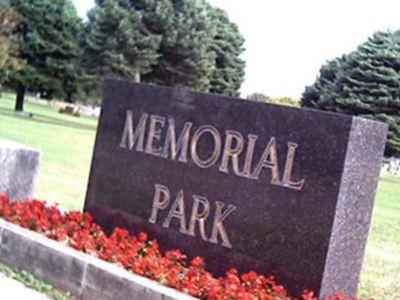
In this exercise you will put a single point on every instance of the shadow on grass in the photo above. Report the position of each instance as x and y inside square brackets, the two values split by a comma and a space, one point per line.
[48, 120]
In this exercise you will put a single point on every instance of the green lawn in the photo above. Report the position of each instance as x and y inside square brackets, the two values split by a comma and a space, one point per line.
[381, 270]
[66, 143]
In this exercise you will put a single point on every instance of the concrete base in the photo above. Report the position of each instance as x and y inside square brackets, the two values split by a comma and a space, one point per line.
[19, 166]
[84, 276]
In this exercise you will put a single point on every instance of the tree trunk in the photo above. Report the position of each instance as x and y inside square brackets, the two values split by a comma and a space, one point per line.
[19, 103]
[137, 76]
[68, 99]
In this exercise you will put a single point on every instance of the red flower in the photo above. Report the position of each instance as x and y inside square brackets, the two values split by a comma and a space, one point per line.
[144, 257]
[143, 237]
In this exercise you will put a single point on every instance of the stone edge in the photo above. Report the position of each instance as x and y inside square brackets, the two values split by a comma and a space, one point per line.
[13, 145]
[356, 197]
[96, 277]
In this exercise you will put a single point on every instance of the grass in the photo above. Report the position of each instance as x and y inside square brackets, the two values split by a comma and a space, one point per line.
[66, 143]
[380, 276]
[30, 281]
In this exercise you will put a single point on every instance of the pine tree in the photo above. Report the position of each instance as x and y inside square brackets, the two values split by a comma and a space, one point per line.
[322, 93]
[227, 44]
[72, 72]
[48, 44]
[365, 83]
[117, 43]
[168, 42]
[185, 59]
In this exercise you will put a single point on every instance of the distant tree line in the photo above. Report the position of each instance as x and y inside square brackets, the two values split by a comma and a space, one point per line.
[260, 97]
[50, 51]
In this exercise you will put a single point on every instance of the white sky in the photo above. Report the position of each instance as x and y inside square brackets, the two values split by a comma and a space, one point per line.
[288, 40]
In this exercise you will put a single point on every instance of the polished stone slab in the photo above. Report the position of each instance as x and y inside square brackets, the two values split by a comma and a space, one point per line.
[279, 190]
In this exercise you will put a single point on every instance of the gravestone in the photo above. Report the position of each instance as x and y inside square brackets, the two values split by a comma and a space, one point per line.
[278, 190]
[19, 167]
[69, 110]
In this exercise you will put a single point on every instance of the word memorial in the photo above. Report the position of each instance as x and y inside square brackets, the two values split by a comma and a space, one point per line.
[172, 148]
[278, 190]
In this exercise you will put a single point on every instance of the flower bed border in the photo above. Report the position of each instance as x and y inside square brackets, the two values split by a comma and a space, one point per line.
[84, 276]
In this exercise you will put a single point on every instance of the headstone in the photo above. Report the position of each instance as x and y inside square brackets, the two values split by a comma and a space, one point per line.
[19, 166]
[69, 109]
[278, 190]
[394, 165]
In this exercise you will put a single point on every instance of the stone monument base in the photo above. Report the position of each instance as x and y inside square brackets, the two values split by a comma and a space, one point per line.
[82, 275]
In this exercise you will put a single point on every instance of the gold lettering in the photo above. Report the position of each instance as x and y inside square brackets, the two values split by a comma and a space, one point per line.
[201, 217]
[218, 226]
[177, 211]
[128, 137]
[157, 203]
[287, 174]
[269, 159]
[230, 152]
[183, 141]
[177, 148]
[154, 134]
[217, 146]
[249, 155]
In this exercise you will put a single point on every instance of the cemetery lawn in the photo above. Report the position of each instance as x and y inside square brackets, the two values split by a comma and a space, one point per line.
[66, 143]
[380, 276]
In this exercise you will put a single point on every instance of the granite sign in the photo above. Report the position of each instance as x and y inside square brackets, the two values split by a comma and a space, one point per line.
[279, 190]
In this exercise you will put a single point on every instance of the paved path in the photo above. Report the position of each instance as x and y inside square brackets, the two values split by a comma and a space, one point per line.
[11, 289]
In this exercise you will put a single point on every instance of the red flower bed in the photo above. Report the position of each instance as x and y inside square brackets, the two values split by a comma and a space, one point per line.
[142, 256]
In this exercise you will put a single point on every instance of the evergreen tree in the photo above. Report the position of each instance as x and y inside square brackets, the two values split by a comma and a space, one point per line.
[46, 32]
[72, 74]
[187, 31]
[168, 42]
[117, 43]
[322, 92]
[227, 44]
[365, 83]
